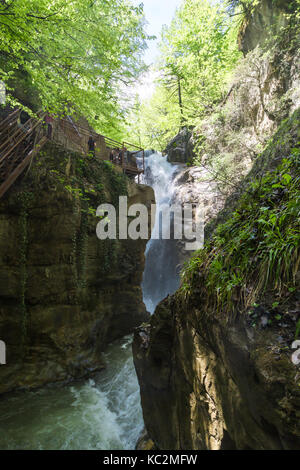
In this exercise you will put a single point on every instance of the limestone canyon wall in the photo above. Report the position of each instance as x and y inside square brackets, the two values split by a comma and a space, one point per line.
[64, 294]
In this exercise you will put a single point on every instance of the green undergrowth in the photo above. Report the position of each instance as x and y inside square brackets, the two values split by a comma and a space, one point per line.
[91, 181]
[257, 248]
[87, 182]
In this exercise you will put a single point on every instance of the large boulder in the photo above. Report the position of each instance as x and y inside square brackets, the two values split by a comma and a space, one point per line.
[180, 149]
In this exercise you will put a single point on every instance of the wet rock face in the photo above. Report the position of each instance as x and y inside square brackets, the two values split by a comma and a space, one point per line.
[211, 382]
[208, 382]
[180, 149]
[195, 185]
[144, 442]
[207, 386]
[268, 18]
[64, 294]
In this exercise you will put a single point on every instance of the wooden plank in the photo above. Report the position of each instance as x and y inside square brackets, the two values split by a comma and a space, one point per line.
[22, 136]
[8, 118]
[18, 136]
[21, 167]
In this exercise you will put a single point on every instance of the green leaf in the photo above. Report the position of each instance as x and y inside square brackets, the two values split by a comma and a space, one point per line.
[287, 178]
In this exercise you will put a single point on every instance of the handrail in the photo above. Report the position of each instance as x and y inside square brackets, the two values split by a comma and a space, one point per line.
[18, 170]
[135, 146]
[109, 139]
[70, 121]
[20, 133]
[18, 150]
[21, 129]
[110, 143]
[20, 153]
[8, 117]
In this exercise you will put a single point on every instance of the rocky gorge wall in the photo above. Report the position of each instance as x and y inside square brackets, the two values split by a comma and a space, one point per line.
[264, 89]
[205, 386]
[218, 374]
[64, 294]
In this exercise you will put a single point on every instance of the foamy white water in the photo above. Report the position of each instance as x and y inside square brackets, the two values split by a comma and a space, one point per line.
[161, 275]
[103, 413]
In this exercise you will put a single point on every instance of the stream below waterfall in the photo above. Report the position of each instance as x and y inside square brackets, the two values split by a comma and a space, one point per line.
[102, 413]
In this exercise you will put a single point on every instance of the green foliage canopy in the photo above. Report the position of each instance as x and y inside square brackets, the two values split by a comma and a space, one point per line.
[153, 123]
[74, 54]
[198, 51]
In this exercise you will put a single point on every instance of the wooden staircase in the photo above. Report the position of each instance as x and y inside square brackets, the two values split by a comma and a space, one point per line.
[18, 145]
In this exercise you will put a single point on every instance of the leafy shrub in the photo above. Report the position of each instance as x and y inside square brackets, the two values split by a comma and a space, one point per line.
[257, 248]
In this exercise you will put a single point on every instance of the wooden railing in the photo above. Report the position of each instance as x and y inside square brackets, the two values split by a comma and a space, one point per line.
[9, 119]
[19, 143]
[104, 145]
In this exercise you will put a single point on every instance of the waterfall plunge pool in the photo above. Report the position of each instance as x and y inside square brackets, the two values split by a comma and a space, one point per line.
[102, 413]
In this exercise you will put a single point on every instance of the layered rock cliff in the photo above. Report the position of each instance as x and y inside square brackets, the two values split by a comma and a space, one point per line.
[264, 90]
[64, 294]
[214, 363]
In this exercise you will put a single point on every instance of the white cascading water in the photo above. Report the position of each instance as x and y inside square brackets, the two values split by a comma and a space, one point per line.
[103, 413]
[161, 275]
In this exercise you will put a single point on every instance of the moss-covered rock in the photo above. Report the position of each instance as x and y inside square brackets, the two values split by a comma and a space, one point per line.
[64, 294]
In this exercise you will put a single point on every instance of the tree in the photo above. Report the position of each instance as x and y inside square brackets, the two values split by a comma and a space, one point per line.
[74, 54]
[200, 47]
[171, 79]
[154, 123]
[198, 54]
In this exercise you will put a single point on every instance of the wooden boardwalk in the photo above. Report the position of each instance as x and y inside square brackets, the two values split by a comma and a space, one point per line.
[19, 143]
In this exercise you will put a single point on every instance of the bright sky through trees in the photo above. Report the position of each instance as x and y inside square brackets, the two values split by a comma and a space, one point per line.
[157, 13]
[71, 57]
[196, 53]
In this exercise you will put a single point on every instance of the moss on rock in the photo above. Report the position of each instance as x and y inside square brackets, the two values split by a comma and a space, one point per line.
[64, 294]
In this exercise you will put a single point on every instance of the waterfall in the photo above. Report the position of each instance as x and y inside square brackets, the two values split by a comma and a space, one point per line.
[103, 413]
[161, 276]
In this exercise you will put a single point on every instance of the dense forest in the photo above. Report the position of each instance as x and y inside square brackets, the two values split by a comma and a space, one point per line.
[200, 64]
[81, 57]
